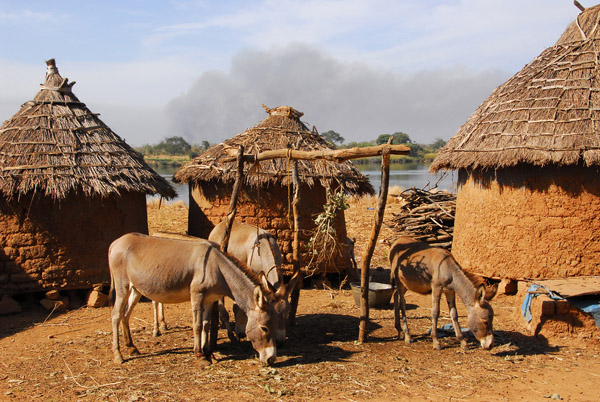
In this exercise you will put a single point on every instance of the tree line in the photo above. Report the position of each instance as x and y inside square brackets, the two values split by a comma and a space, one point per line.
[180, 147]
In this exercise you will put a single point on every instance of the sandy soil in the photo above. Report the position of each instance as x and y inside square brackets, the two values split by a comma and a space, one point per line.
[67, 357]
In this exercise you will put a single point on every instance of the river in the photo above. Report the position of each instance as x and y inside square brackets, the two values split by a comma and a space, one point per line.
[405, 175]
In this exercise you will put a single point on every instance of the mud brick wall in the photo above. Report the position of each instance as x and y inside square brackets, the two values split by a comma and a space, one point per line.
[529, 222]
[267, 207]
[48, 245]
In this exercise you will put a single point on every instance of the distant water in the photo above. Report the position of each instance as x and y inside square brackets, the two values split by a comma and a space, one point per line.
[409, 175]
[406, 175]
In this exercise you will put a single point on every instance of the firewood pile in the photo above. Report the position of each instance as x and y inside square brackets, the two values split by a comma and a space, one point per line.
[427, 215]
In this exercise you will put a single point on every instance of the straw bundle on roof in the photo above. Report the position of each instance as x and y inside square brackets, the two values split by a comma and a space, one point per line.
[548, 113]
[56, 146]
[280, 130]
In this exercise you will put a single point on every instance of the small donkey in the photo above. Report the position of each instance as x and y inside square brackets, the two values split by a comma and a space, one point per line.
[425, 269]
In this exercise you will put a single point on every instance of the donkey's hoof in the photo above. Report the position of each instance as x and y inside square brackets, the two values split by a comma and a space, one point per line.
[436, 345]
[464, 345]
[203, 360]
[233, 337]
[118, 360]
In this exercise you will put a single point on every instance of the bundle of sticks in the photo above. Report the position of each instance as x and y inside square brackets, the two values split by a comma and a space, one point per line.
[427, 215]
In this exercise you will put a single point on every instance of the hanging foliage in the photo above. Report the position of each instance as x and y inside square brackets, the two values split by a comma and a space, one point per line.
[324, 245]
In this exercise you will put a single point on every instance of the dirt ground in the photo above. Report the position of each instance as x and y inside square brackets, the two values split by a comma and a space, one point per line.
[67, 356]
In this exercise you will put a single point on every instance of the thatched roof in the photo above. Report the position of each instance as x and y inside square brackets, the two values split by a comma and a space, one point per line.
[548, 113]
[280, 130]
[56, 146]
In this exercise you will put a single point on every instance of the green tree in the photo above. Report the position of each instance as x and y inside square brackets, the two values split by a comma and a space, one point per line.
[438, 144]
[172, 146]
[332, 137]
[401, 138]
[362, 144]
[416, 150]
[382, 139]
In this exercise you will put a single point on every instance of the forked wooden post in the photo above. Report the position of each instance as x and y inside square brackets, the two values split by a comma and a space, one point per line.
[368, 254]
[295, 296]
[214, 320]
[233, 202]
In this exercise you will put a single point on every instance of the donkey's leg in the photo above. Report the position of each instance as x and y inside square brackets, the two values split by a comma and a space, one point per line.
[134, 297]
[451, 299]
[121, 294]
[397, 312]
[225, 323]
[197, 300]
[160, 325]
[400, 301]
[206, 318]
[436, 295]
[200, 330]
[241, 320]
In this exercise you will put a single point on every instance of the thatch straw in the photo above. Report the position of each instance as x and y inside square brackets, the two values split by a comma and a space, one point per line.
[56, 146]
[280, 130]
[548, 113]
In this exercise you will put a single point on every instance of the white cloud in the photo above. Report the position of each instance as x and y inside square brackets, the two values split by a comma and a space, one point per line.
[23, 16]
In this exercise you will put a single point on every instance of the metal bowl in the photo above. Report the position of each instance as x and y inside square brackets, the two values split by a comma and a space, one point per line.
[379, 294]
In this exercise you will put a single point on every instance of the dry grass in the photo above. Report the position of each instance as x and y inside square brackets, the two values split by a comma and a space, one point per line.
[167, 216]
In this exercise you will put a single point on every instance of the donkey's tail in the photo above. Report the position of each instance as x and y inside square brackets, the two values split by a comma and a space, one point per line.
[111, 293]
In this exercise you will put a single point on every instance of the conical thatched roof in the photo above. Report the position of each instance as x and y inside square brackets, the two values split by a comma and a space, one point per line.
[548, 113]
[281, 129]
[56, 146]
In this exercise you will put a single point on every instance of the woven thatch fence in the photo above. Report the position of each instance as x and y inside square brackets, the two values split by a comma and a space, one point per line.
[68, 187]
[266, 192]
[528, 201]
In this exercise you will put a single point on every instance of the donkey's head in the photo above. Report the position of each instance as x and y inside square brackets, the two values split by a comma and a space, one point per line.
[281, 305]
[480, 319]
[262, 327]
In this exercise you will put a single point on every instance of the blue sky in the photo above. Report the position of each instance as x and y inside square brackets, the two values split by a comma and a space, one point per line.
[201, 69]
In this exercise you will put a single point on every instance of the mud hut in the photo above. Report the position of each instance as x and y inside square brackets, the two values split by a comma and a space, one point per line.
[265, 197]
[528, 162]
[68, 187]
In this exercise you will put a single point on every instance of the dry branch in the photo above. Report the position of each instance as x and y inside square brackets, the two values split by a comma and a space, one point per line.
[427, 216]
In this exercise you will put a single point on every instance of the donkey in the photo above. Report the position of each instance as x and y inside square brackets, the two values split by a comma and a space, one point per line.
[261, 254]
[425, 269]
[174, 271]
[259, 250]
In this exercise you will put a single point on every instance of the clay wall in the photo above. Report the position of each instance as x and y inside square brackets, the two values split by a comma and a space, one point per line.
[48, 245]
[529, 222]
[267, 207]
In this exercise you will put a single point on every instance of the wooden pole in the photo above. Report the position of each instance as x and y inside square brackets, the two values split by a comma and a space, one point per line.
[368, 254]
[295, 296]
[233, 202]
[336, 155]
[214, 318]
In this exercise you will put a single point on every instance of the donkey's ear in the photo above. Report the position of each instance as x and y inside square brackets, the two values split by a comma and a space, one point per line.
[491, 292]
[293, 282]
[265, 282]
[480, 294]
[259, 299]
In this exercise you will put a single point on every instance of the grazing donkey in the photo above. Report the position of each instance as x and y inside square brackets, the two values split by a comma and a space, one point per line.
[259, 250]
[423, 269]
[261, 254]
[174, 271]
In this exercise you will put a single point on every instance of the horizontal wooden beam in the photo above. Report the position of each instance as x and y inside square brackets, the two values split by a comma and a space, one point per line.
[336, 155]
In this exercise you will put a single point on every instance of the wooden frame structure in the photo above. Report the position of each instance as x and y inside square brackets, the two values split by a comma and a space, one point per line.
[333, 155]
